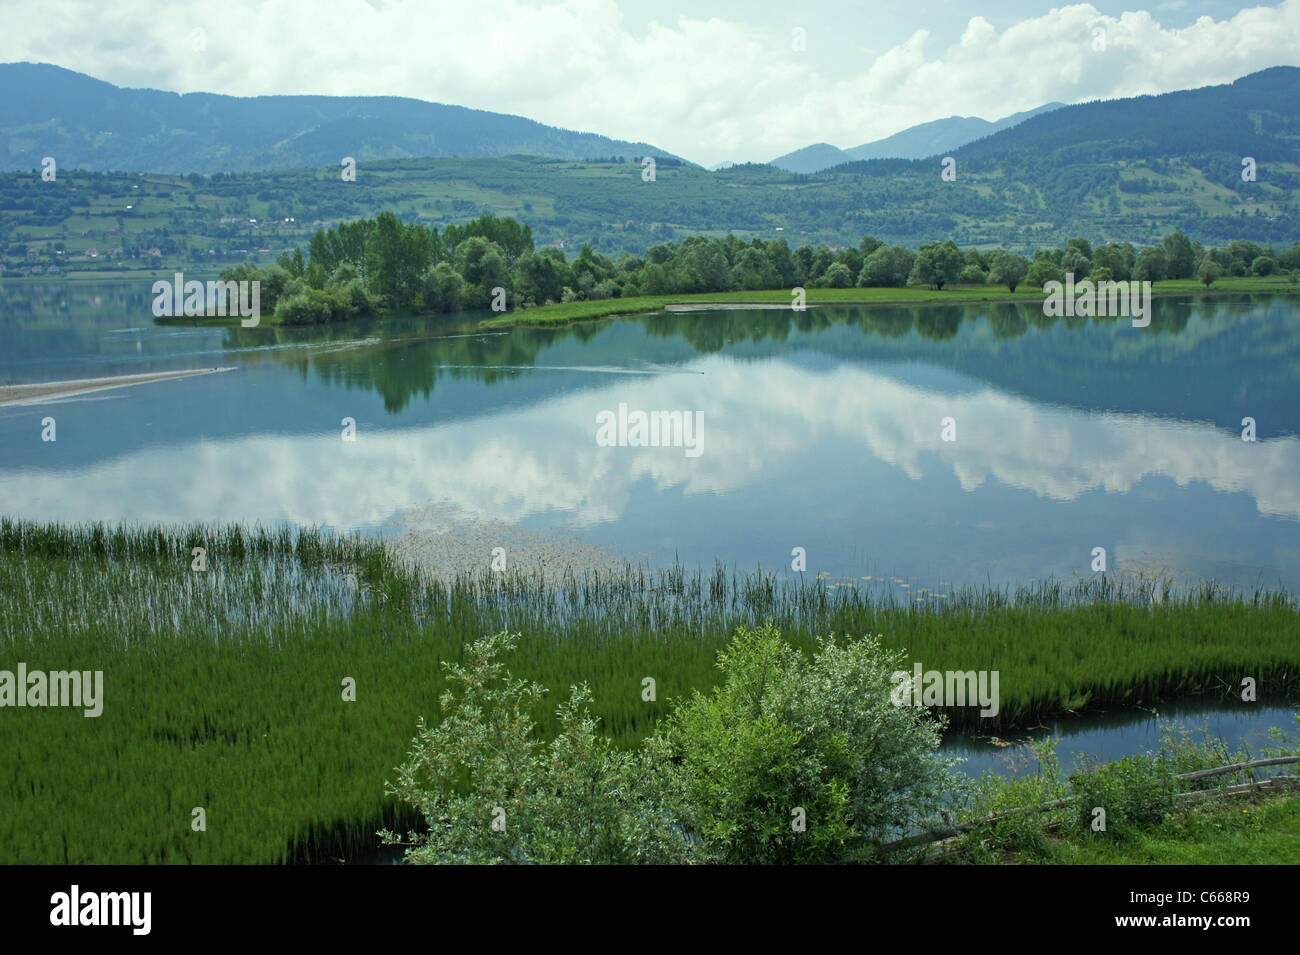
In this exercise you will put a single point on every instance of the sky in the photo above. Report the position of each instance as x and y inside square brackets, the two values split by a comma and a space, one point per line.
[724, 81]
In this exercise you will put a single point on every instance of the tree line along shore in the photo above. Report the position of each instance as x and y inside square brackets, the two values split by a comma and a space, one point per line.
[384, 264]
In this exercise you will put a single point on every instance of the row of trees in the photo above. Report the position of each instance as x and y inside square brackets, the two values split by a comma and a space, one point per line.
[387, 264]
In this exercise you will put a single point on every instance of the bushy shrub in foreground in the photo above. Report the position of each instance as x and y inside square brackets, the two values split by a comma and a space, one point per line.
[791, 759]
[491, 791]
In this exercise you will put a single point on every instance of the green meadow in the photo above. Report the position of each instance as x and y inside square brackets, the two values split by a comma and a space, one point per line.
[224, 688]
[590, 310]
[1244, 832]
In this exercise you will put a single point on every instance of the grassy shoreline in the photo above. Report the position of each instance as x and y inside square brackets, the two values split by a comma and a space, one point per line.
[1261, 831]
[222, 687]
[587, 311]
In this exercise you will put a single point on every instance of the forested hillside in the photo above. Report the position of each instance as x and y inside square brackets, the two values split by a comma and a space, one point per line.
[1127, 170]
[86, 123]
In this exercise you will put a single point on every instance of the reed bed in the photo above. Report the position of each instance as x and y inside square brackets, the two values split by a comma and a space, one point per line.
[223, 689]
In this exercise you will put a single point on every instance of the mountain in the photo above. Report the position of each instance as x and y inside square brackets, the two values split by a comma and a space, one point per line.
[1126, 170]
[916, 142]
[86, 123]
[812, 158]
[941, 136]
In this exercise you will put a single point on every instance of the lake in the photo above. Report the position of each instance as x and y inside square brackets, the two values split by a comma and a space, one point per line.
[822, 430]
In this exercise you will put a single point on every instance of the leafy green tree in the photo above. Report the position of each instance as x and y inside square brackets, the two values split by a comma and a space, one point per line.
[868, 245]
[1151, 265]
[396, 256]
[315, 276]
[1209, 271]
[803, 264]
[659, 254]
[358, 299]
[753, 270]
[344, 274]
[710, 266]
[1081, 246]
[588, 260]
[480, 262]
[1006, 268]
[1243, 253]
[821, 261]
[443, 288]
[293, 264]
[781, 262]
[1263, 265]
[655, 280]
[1180, 259]
[511, 238]
[605, 288]
[937, 264]
[1074, 261]
[537, 277]
[1289, 259]
[1119, 259]
[886, 267]
[320, 250]
[837, 276]
[852, 259]
[1043, 270]
[343, 243]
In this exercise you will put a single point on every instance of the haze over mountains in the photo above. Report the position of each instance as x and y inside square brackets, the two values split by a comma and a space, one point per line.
[89, 124]
[916, 142]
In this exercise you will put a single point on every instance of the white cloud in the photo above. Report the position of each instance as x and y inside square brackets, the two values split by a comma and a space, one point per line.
[542, 461]
[708, 89]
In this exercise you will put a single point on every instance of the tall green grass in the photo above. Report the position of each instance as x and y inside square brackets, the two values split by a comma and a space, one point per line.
[223, 689]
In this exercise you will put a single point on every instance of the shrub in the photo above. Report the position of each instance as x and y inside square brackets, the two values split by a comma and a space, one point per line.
[606, 288]
[1263, 265]
[298, 309]
[837, 276]
[1007, 797]
[316, 306]
[359, 301]
[1136, 792]
[784, 733]
[443, 288]
[886, 266]
[491, 792]
[728, 777]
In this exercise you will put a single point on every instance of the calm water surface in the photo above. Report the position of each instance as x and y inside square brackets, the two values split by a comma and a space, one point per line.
[821, 430]
[1108, 735]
